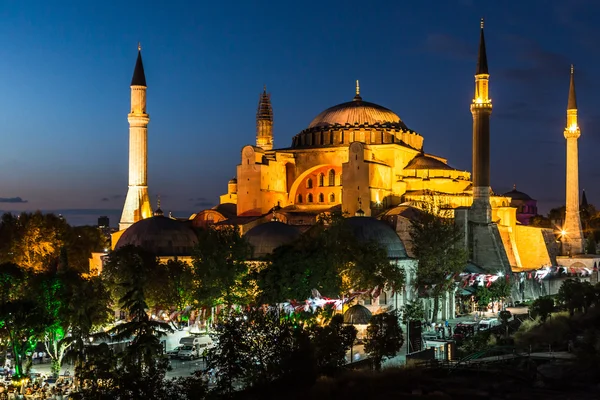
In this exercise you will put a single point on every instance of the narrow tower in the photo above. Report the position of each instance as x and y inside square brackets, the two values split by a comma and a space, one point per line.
[481, 108]
[264, 121]
[573, 236]
[137, 204]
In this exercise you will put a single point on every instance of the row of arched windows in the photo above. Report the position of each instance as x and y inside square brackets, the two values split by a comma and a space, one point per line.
[321, 181]
[321, 197]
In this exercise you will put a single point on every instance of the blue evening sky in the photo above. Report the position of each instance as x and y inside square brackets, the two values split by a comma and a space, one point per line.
[66, 66]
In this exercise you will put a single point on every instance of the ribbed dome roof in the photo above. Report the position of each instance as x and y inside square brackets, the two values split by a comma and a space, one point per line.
[357, 315]
[160, 235]
[265, 238]
[356, 111]
[368, 229]
[427, 162]
[516, 195]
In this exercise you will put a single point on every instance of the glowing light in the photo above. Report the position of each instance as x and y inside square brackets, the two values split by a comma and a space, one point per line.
[563, 232]
[573, 127]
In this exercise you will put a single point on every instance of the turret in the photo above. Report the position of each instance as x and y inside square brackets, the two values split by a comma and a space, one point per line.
[264, 121]
[481, 109]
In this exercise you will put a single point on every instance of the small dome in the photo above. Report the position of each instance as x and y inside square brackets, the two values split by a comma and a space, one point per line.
[367, 229]
[427, 162]
[232, 181]
[357, 315]
[160, 235]
[356, 111]
[265, 238]
[516, 195]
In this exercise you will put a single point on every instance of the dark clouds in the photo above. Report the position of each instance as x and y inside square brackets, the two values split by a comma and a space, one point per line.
[12, 200]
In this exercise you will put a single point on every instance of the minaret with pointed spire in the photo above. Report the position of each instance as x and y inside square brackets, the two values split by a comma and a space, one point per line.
[573, 237]
[137, 204]
[481, 109]
[264, 121]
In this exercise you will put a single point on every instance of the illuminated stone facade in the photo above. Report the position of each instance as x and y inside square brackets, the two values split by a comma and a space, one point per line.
[572, 233]
[137, 203]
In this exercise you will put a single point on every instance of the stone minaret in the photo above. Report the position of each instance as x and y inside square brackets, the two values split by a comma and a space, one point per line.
[481, 108]
[573, 236]
[264, 121]
[137, 204]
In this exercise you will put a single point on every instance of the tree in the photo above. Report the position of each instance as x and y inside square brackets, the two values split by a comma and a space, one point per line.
[571, 295]
[500, 289]
[384, 337]
[220, 267]
[437, 246]
[80, 243]
[412, 311]
[540, 221]
[331, 342]
[505, 316]
[542, 307]
[136, 267]
[328, 258]
[590, 244]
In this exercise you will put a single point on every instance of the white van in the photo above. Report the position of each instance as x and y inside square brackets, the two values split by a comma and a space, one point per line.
[194, 346]
[487, 324]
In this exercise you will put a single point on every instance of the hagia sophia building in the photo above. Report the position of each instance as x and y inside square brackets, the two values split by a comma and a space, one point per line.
[361, 159]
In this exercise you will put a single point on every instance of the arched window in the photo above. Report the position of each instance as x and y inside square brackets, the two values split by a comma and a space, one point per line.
[331, 177]
[321, 179]
[332, 198]
[299, 198]
[321, 198]
[309, 198]
[309, 183]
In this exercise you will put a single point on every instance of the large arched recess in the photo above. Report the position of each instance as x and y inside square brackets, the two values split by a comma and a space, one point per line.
[300, 181]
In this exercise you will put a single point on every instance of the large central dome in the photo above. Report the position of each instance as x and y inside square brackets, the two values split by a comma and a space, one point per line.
[356, 111]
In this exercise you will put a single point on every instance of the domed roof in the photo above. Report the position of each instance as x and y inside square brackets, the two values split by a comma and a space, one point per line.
[368, 229]
[427, 162]
[357, 315]
[160, 235]
[233, 180]
[356, 111]
[266, 237]
[516, 195]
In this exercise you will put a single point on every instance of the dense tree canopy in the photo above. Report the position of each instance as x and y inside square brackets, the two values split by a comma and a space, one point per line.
[328, 258]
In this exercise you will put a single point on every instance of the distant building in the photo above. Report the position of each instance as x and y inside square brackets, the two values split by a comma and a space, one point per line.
[525, 205]
[103, 222]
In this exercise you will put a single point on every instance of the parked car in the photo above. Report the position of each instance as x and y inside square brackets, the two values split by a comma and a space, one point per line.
[174, 353]
[486, 324]
[195, 346]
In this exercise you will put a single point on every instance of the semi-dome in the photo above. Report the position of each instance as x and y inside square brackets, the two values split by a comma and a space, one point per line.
[427, 162]
[265, 238]
[160, 235]
[368, 229]
[516, 195]
[356, 111]
[357, 315]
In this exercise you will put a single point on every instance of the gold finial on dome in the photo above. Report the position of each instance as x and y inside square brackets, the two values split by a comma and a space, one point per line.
[481, 23]
[514, 186]
[139, 46]
[357, 97]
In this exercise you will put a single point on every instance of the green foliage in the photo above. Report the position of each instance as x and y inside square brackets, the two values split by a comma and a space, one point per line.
[541, 308]
[330, 259]
[384, 337]
[171, 286]
[413, 311]
[590, 247]
[220, 268]
[331, 342]
[481, 341]
[555, 332]
[540, 221]
[576, 296]
[437, 246]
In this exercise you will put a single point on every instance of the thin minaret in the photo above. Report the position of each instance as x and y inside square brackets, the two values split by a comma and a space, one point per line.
[481, 109]
[573, 236]
[137, 204]
[264, 121]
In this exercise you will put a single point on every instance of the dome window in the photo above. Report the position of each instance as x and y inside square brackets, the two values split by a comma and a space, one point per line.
[309, 184]
[332, 198]
[321, 179]
[309, 198]
[299, 198]
[331, 177]
[321, 198]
